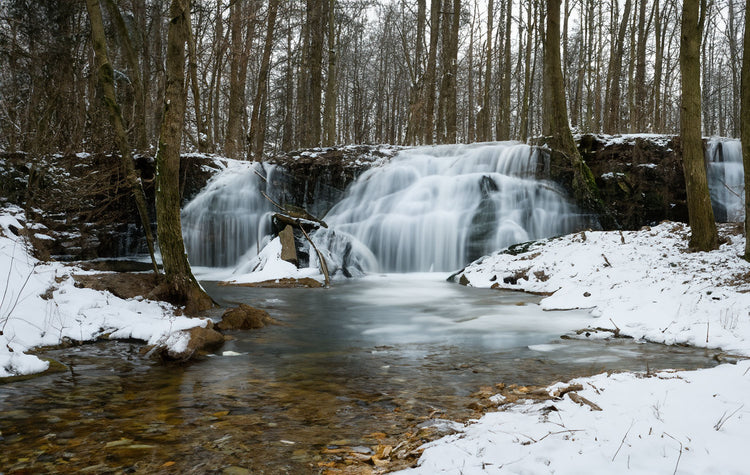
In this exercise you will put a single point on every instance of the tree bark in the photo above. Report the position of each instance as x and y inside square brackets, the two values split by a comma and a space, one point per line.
[105, 75]
[700, 214]
[257, 131]
[555, 119]
[483, 121]
[428, 88]
[329, 113]
[612, 102]
[139, 123]
[745, 128]
[182, 286]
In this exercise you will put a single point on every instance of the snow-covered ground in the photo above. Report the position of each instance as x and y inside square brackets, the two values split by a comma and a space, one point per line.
[40, 305]
[646, 284]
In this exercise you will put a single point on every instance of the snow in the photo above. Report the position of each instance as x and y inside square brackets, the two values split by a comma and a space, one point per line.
[648, 285]
[268, 266]
[40, 305]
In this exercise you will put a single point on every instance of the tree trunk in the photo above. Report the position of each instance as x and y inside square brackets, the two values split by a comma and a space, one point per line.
[257, 134]
[182, 286]
[483, 121]
[428, 88]
[745, 128]
[700, 213]
[139, 123]
[523, 133]
[416, 97]
[329, 113]
[503, 119]
[105, 75]
[555, 119]
[612, 102]
[200, 127]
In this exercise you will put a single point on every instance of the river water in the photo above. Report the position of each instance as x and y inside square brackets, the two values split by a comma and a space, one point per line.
[356, 365]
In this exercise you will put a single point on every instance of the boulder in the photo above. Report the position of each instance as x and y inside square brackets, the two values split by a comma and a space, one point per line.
[244, 317]
[202, 341]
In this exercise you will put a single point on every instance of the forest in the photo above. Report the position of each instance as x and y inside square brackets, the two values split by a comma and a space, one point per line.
[269, 76]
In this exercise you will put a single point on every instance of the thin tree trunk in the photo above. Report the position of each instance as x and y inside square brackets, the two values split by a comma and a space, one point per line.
[745, 128]
[257, 123]
[329, 113]
[139, 123]
[523, 133]
[182, 285]
[612, 102]
[200, 126]
[485, 113]
[503, 113]
[105, 75]
[555, 118]
[700, 213]
[428, 89]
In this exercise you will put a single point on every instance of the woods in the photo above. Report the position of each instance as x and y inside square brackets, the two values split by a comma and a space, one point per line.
[265, 76]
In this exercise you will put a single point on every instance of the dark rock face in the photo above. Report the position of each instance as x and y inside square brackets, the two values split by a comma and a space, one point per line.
[316, 179]
[640, 179]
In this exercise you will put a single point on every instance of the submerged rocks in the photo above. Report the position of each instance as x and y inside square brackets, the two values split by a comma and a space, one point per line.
[244, 317]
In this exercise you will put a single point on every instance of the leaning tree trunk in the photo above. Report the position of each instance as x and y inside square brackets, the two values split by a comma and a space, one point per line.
[106, 81]
[183, 287]
[700, 214]
[555, 126]
[745, 129]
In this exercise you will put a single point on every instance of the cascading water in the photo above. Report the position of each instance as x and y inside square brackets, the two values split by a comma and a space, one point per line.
[427, 209]
[725, 179]
[230, 217]
[438, 208]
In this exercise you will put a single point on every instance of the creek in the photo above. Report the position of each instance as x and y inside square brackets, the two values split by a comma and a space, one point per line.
[356, 365]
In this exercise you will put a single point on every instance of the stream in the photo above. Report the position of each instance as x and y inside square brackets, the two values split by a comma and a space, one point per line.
[353, 366]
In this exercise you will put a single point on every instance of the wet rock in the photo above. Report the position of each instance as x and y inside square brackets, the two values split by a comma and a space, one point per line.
[202, 340]
[244, 317]
[285, 283]
[288, 249]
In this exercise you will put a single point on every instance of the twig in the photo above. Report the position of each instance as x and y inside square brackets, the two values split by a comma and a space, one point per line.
[261, 176]
[723, 419]
[623, 440]
[617, 329]
[558, 432]
[708, 325]
[272, 201]
[323, 265]
[679, 456]
[606, 260]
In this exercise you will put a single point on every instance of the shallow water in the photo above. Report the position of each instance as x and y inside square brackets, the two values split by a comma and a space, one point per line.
[355, 365]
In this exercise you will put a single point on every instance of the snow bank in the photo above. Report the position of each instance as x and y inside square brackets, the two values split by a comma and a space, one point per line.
[40, 305]
[686, 422]
[647, 284]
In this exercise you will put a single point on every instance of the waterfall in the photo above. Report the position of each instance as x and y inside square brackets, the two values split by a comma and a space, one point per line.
[438, 208]
[725, 179]
[229, 217]
[426, 209]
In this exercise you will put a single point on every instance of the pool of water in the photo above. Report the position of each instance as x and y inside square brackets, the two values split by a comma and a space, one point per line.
[355, 365]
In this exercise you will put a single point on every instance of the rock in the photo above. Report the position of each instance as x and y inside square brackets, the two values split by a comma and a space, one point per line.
[202, 340]
[288, 249]
[244, 317]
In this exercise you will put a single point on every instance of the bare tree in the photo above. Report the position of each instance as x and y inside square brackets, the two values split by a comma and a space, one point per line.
[182, 286]
[701, 216]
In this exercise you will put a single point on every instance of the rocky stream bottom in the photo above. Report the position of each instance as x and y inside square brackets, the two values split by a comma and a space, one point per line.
[353, 380]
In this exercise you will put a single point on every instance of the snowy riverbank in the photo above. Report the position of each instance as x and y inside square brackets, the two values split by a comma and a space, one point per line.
[647, 285]
[40, 305]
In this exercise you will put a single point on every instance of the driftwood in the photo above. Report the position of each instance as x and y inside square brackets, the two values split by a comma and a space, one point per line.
[583, 401]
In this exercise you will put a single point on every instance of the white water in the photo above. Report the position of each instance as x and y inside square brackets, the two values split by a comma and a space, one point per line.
[438, 208]
[229, 218]
[427, 209]
[725, 179]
